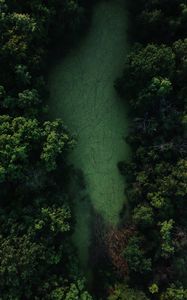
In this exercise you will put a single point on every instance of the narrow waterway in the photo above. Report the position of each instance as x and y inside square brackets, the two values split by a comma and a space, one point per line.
[83, 95]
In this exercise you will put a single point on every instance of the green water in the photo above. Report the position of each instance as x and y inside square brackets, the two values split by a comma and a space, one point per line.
[82, 94]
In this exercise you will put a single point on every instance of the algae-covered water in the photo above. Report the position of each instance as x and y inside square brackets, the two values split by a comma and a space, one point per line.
[82, 94]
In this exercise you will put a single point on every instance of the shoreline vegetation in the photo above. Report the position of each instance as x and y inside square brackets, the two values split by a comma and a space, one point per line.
[145, 258]
[37, 258]
[154, 84]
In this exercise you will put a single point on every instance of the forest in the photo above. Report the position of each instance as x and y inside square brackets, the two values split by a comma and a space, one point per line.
[37, 260]
[146, 255]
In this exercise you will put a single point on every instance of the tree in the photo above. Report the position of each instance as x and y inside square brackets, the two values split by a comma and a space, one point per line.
[143, 216]
[153, 19]
[26, 142]
[167, 244]
[152, 97]
[76, 292]
[123, 292]
[153, 83]
[142, 65]
[135, 256]
[154, 288]
[36, 255]
[174, 293]
[32, 252]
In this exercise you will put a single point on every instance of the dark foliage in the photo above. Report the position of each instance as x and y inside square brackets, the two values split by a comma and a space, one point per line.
[36, 256]
[154, 83]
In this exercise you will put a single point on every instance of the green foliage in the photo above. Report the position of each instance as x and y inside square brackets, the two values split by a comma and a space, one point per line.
[27, 29]
[25, 142]
[54, 219]
[144, 65]
[166, 231]
[31, 253]
[169, 17]
[150, 96]
[154, 288]
[123, 292]
[36, 253]
[174, 293]
[56, 140]
[135, 256]
[22, 75]
[153, 83]
[156, 199]
[143, 216]
[28, 99]
[76, 292]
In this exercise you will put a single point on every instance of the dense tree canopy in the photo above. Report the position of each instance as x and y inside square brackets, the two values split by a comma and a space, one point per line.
[122, 292]
[36, 255]
[154, 84]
